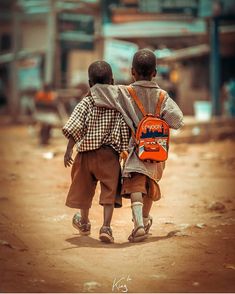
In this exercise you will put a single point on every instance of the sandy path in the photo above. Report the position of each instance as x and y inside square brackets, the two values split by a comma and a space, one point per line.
[41, 252]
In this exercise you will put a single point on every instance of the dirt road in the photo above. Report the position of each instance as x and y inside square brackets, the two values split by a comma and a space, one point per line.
[191, 247]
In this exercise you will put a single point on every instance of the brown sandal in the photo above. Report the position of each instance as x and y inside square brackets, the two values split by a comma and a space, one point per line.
[148, 225]
[137, 235]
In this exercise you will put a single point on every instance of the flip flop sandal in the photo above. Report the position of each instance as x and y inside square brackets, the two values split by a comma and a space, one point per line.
[106, 235]
[137, 238]
[84, 229]
[148, 225]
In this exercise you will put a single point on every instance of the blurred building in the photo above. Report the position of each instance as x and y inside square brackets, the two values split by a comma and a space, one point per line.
[61, 38]
[47, 42]
[180, 32]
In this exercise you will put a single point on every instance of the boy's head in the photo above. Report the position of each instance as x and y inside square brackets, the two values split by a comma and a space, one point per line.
[100, 72]
[144, 65]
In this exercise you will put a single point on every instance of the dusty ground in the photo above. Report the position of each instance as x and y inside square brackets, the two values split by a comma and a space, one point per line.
[191, 248]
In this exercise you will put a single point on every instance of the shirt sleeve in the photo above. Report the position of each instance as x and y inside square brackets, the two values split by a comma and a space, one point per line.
[105, 96]
[75, 126]
[111, 96]
[171, 113]
[125, 135]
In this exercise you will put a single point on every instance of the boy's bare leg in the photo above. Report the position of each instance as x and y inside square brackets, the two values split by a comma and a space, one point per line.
[108, 213]
[147, 206]
[106, 234]
[84, 216]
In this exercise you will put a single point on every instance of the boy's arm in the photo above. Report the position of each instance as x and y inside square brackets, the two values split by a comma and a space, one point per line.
[68, 160]
[112, 96]
[74, 129]
[105, 96]
[171, 113]
[125, 137]
[76, 124]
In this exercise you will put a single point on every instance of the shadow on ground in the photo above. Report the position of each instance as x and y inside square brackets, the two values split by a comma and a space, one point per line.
[86, 241]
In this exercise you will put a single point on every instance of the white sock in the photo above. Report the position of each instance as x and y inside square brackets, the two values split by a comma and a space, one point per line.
[137, 213]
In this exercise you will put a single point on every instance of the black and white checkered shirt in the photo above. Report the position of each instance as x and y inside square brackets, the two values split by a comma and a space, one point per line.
[92, 126]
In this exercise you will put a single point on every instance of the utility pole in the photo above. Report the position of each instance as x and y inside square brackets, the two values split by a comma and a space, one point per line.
[98, 33]
[14, 101]
[51, 43]
[215, 66]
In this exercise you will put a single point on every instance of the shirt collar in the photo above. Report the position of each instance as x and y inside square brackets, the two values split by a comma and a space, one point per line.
[147, 84]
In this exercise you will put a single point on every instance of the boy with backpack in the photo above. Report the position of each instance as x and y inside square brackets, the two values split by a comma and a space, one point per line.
[100, 135]
[141, 174]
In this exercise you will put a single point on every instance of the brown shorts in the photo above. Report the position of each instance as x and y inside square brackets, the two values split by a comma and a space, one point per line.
[90, 167]
[140, 183]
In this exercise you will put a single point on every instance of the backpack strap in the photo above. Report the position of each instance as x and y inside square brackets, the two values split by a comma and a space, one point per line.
[133, 94]
[159, 103]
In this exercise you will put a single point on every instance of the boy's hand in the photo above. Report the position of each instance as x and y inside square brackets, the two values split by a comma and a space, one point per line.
[88, 93]
[68, 160]
[123, 156]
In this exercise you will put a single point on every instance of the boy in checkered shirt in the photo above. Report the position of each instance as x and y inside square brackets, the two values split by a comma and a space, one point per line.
[140, 178]
[100, 135]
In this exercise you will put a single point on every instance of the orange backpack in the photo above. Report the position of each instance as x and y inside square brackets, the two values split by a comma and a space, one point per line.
[152, 134]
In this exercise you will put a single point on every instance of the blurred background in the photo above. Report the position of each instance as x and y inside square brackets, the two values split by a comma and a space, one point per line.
[50, 43]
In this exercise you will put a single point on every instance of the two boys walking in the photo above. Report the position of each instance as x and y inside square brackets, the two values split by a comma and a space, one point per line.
[101, 127]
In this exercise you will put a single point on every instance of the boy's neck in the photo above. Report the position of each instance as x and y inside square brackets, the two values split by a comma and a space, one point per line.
[143, 79]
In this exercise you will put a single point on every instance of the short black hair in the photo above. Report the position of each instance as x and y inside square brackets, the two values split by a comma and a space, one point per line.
[100, 72]
[144, 62]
